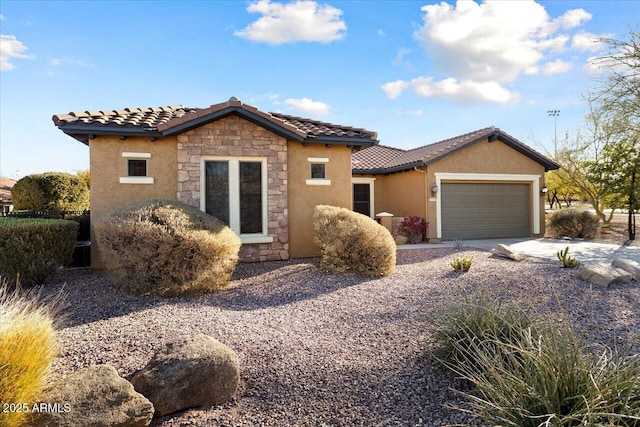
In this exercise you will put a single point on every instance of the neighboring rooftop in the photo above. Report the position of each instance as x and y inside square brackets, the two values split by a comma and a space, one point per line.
[381, 159]
[6, 184]
[171, 120]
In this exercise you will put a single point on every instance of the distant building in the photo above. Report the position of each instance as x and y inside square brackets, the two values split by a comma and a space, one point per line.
[6, 184]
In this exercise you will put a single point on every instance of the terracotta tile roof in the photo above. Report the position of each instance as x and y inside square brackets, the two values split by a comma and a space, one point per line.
[374, 157]
[171, 120]
[372, 160]
[6, 184]
[148, 118]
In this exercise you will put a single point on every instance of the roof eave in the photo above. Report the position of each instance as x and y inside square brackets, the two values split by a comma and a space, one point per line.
[547, 163]
[84, 132]
[341, 140]
[250, 116]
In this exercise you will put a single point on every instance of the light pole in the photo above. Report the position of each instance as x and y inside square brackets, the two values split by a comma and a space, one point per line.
[554, 114]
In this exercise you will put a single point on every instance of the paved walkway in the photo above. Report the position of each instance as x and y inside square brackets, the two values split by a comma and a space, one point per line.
[547, 248]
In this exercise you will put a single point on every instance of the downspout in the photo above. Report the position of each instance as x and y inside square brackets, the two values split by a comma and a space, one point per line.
[426, 195]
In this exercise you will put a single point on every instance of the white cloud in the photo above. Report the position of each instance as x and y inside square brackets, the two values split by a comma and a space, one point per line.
[308, 106]
[302, 20]
[556, 67]
[573, 18]
[399, 60]
[55, 62]
[480, 46]
[464, 92]
[11, 48]
[1, 17]
[415, 113]
[381, 32]
[589, 42]
[394, 89]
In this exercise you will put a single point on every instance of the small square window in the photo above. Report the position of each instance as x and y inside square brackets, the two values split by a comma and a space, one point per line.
[318, 171]
[136, 167]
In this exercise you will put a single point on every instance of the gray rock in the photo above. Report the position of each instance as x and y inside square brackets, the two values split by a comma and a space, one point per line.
[189, 372]
[629, 266]
[603, 274]
[95, 396]
[506, 251]
[401, 240]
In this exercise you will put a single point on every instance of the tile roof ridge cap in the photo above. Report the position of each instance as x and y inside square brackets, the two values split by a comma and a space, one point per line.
[323, 122]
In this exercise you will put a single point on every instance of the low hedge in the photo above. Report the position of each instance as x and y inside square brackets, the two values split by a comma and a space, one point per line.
[351, 241]
[166, 247]
[33, 249]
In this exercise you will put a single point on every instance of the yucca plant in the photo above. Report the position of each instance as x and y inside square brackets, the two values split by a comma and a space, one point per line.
[462, 264]
[27, 348]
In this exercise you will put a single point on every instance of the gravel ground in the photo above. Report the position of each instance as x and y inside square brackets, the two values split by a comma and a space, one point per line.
[324, 349]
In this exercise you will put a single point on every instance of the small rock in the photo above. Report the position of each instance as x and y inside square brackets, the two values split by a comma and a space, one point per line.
[95, 396]
[603, 274]
[401, 240]
[189, 372]
[629, 266]
[506, 251]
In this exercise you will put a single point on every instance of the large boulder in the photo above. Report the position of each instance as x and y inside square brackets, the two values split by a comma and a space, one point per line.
[95, 396]
[600, 273]
[506, 251]
[632, 267]
[189, 372]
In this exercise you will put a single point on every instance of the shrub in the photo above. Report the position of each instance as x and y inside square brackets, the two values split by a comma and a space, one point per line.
[352, 241]
[34, 249]
[413, 227]
[574, 223]
[462, 329]
[166, 247]
[527, 374]
[462, 264]
[51, 192]
[27, 349]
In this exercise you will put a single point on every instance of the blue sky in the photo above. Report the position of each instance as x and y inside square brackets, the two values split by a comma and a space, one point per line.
[416, 72]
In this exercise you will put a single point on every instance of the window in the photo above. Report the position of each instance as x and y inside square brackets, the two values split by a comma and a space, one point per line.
[136, 167]
[317, 171]
[235, 192]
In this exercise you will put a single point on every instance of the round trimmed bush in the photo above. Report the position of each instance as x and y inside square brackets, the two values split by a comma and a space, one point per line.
[574, 223]
[351, 241]
[166, 247]
[50, 192]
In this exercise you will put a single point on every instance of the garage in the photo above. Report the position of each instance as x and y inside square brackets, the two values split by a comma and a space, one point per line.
[485, 210]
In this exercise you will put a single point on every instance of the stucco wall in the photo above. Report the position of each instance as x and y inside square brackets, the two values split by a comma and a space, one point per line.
[303, 198]
[107, 167]
[233, 136]
[486, 158]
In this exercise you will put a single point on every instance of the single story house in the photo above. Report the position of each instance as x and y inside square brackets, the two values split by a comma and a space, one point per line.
[6, 204]
[261, 173]
[483, 184]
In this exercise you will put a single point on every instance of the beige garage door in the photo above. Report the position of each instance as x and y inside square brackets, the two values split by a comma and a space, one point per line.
[480, 211]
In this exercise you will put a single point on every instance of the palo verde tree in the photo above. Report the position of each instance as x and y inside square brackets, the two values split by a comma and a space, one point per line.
[618, 100]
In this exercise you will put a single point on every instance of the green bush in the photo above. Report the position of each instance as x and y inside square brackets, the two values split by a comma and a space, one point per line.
[33, 249]
[351, 241]
[166, 247]
[27, 349]
[461, 329]
[50, 192]
[527, 374]
[574, 223]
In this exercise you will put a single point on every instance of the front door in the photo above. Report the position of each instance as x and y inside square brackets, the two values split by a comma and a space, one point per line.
[362, 199]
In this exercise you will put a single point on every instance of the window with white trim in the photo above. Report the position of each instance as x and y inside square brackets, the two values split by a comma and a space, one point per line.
[234, 190]
[136, 168]
[318, 171]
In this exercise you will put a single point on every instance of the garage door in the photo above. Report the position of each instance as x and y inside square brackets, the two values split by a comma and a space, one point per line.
[479, 211]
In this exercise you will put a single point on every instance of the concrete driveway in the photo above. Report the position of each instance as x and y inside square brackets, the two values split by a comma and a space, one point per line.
[583, 251]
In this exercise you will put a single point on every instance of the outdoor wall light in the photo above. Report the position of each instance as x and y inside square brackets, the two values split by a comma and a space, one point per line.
[434, 189]
[544, 190]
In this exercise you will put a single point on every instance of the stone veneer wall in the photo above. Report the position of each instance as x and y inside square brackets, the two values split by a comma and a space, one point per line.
[235, 136]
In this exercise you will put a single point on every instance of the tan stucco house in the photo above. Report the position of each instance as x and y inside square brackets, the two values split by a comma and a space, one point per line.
[6, 184]
[483, 184]
[261, 173]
